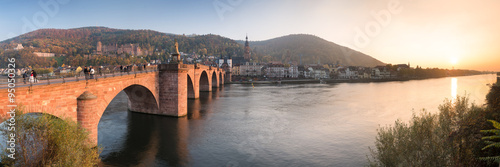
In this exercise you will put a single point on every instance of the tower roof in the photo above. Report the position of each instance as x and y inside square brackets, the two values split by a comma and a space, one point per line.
[246, 42]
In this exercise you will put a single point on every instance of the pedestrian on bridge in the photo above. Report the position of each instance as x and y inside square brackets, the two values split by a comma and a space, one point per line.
[91, 72]
[86, 73]
[32, 79]
[25, 76]
[34, 76]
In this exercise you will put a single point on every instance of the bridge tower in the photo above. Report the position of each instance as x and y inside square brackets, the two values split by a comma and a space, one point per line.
[173, 89]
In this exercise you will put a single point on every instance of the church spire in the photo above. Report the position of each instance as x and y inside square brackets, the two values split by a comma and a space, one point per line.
[246, 56]
[246, 41]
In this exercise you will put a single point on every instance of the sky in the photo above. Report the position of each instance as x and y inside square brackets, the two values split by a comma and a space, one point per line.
[458, 34]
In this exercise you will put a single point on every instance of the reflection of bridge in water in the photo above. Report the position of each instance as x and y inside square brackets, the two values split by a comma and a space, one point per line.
[164, 92]
[149, 140]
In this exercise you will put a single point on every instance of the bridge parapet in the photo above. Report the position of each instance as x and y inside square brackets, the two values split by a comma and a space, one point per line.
[172, 67]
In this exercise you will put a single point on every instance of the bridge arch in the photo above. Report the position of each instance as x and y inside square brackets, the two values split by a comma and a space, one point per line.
[91, 104]
[190, 87]
[140, 99]
[215, 80]
[204, 82]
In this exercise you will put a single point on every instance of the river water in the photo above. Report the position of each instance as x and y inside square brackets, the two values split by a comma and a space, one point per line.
[275, 125]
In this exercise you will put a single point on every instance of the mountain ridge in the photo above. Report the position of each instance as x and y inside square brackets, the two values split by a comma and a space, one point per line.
[83, 40]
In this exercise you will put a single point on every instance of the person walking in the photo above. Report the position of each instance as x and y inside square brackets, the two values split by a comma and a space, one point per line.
[32, 79]
[100, 70]
[25, 76]
[91, 72]
[34, 76]
[86, 73]
[121, 68]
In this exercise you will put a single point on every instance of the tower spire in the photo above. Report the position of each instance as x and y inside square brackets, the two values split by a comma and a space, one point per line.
[247, 50]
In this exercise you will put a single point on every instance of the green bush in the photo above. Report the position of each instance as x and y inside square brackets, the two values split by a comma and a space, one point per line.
[43, 140]
[448, 138]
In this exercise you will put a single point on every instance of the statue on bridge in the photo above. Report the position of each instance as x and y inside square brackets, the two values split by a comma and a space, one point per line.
[176, 56]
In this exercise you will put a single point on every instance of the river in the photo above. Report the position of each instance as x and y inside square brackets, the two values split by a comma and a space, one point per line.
[275, 125]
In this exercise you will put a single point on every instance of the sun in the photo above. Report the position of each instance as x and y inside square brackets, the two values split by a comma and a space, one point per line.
[453, 60]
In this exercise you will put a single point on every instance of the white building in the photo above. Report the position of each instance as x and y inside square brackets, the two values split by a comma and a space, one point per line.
[19, 47]
[39, 54]
[380, 72]
[250, 69]
[228, 61]
[282, 71]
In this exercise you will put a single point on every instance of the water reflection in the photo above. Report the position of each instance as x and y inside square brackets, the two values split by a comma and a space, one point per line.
[287, 125]
[151, 140]
[131, 138]
[454, 88]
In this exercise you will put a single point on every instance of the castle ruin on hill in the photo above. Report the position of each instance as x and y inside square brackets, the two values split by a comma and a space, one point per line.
[131, 49]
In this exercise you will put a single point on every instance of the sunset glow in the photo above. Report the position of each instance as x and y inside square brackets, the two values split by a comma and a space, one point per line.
[454, 61]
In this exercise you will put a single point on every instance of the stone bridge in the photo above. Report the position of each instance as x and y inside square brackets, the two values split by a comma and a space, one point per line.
[164, 92]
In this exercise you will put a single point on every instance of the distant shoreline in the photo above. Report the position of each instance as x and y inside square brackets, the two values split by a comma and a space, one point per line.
[328, 81]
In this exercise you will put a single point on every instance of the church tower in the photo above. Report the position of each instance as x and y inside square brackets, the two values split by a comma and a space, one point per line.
[247, 50]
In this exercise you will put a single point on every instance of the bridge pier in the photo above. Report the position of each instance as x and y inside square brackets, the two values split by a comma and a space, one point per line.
[172, 92]
[193, 89]
[87, 115]
[227, 77]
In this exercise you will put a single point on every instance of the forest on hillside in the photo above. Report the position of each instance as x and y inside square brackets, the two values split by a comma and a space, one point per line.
[76, 44]
[310, 49]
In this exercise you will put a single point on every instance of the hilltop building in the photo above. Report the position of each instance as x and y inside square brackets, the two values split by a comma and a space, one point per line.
[19, 47]
[132, 49]
[40, 54]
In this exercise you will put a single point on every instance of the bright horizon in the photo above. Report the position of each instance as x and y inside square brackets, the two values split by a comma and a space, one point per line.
[444, 34]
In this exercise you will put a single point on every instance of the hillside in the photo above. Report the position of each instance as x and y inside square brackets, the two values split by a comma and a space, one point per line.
[312, 49]
[78, 42]
[84, 40]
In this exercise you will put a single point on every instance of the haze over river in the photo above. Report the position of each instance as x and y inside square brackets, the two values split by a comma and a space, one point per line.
[271, 125]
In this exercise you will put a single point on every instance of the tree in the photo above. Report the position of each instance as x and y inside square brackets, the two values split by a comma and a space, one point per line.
[448, 138]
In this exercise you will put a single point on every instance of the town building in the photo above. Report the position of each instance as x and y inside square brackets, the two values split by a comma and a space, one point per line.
[226, 64]
[282, 71]
[403, 66]
[380, 72]
[318, 72]
[227, 61]
[235, 70]
[251, 69]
